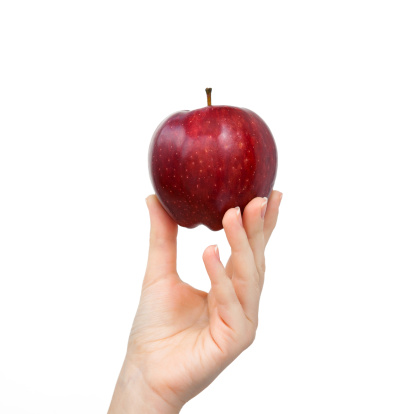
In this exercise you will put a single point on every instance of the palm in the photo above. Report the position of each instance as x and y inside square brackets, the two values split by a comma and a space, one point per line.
[183, 330]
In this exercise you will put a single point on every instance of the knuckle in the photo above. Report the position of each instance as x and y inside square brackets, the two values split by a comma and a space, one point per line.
[250, 337]
[256, 285]
[262, 267]
[158, 242]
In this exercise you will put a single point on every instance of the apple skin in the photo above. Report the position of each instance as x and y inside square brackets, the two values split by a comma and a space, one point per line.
[205, 161]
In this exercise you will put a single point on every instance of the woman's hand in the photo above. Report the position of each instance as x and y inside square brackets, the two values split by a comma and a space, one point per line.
[182, 338]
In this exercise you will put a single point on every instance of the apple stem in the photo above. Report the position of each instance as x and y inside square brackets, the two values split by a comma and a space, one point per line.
[208, 91]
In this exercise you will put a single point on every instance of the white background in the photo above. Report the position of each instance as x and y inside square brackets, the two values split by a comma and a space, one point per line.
[83, 85]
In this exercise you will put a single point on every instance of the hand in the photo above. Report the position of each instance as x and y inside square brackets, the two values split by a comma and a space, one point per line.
[182, 338]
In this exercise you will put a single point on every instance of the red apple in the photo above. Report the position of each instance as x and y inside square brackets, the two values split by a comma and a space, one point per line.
[205, 161]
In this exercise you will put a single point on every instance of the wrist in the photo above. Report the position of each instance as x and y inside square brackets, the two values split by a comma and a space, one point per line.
[133, 395]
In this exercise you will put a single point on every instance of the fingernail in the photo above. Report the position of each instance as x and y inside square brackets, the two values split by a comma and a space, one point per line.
[216, 251]
[238, 214]
[264, 207]
[280, 199]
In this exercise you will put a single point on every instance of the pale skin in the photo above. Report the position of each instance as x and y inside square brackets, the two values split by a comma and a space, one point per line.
[182, 338]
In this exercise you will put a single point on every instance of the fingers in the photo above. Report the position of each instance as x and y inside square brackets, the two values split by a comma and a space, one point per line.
[241, 253]
[162, 255]
[247, 262]
[245, 275]
[253, 221]
[272, 213]
[228, 305]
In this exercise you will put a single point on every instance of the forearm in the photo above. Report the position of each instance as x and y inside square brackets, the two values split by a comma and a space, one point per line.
[132, 395]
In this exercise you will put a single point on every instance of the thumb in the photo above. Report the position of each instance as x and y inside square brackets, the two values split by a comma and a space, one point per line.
[162, 255]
